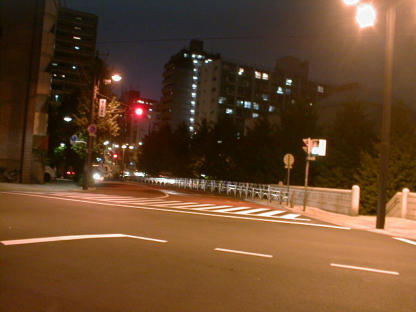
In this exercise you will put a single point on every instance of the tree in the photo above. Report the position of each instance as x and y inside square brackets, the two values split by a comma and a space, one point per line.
[350, 134]
[402, 164]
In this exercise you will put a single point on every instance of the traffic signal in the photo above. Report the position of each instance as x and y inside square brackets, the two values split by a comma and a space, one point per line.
[139, 111]
[115, 156]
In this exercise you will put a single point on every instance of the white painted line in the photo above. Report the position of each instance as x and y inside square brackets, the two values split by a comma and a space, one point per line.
[73, 237]
[244, 252]
[251, 211]
[139, 202]
[176, 203]
[212, 208]
[228, 209]
[194, 206]
[271, 213]
[290, 216]
[329, 226]
[363, 269]
[405, 240]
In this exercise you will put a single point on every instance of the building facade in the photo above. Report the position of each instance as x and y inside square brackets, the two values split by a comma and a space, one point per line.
[27, 39]
[180, 85]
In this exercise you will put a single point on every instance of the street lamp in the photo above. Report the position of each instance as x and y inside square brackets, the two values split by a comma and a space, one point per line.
[366, 16]
[92, 130]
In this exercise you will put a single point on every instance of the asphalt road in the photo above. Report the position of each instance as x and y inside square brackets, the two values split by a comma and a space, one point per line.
[177, 256]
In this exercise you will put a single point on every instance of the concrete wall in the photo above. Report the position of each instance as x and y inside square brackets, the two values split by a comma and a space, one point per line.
[402, 205]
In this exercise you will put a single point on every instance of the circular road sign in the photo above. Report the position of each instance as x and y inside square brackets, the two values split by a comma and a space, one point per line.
[92, 129]
[289, 160]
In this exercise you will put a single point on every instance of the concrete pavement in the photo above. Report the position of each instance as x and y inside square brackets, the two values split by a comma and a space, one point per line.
[397, 227]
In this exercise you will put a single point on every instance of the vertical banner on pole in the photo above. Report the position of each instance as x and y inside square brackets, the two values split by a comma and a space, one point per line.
[102, 108]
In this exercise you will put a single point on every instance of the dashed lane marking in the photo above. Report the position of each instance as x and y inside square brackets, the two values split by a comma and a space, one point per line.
[352, 267]
[271, 213]
[74, 237]
[250, 211]
[243, 252]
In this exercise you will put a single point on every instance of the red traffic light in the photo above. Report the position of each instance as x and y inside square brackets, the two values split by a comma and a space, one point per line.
[115, 156]
[139, 111]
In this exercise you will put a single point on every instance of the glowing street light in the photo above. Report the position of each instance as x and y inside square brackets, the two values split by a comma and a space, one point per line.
[351, 2]
[67, 118]
[116, 77]
[366, 15]
[106, 143]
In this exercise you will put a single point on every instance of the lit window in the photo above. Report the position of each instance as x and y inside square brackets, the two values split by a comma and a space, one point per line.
[74, 67]
[191, 128]
[63, 76]
[57, 97]
[150, 110]
[221, 100]
[229, 111]
[255, 115]
[256, 106]
[195, 61]
[195, 70]
[265, 97]
[257, 74]
[195, 77]
[76, 47]
[320, 89]
[185, 55]
[200, 57]
[192, 103]
[193, 56]
[271, 109]
[192, 112]
[208, 61]
[54, 64]
[240, 71]
[55, 75]
[193, 94]
[76, 37]
[77, 27]
[289, 82]
[240, 103]
[310, 104]
[193, 86]
[265, 76]
[191, 120]
[247, 104]
[279, 90]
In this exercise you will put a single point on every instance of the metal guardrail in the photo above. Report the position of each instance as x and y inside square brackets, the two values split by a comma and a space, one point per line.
[236, 189]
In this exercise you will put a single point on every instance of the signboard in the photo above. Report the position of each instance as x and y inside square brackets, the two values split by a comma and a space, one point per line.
[92, 129]
[288, 160]
[73, 139]
[102, 107]
[318, 147]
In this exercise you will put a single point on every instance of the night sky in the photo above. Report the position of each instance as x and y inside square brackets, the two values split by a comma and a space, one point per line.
[140, 36]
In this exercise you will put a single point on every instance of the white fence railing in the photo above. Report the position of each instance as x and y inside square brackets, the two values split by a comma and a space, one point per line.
[334, 200]
[403, 205]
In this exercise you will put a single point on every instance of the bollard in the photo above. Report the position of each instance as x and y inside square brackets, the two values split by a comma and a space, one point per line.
[405, 195]
[355, 200]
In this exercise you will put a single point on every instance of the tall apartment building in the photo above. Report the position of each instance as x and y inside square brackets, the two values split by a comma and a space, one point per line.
[180, 85]
[27, 38]
[246, 92]
[72, 65]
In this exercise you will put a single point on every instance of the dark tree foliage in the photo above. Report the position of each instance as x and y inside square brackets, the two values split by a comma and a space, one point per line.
[402, 160]
[350, 134]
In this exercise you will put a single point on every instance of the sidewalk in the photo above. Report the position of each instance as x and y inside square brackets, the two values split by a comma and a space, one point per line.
[396, 227]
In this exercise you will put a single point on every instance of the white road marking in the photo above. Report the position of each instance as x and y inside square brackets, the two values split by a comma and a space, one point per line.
[193, 206]
[251, 211]
[290, 216]
[230, 209]
[271, 213]
[212, 208]
[74, 237]
[363, 269]
[405, 240]
[170, 203]
[184, 212]
[244, 252]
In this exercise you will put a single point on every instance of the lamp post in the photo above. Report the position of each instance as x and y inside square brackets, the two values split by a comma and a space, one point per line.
[366, 16]
[92, 130]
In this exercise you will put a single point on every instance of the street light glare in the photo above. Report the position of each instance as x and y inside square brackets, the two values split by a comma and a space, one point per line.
[366, 15]
[351, 2]
[116, 77]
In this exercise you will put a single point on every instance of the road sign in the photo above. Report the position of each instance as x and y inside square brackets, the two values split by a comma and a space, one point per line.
[288, 160]
[73, 139]
[102, 107]
[92, 129]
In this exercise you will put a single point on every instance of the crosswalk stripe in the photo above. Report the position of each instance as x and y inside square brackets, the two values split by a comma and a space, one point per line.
[290, 216]
[212, 208]
[271, 213]
[193, 206]
[173, 202]
[231, 209]
[251, 211]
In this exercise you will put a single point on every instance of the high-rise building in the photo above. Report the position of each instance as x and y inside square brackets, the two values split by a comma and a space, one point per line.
[246, 92]
[27, 38]
[73, 61]
[180, 85]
